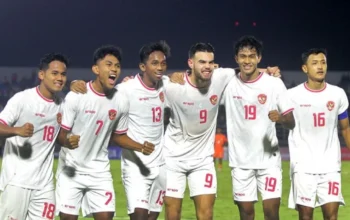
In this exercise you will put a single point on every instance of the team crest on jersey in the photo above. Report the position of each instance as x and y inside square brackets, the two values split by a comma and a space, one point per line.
[112, 114]
[161, 96]
[330, 105]
[262, 98]
[214, 99]
[59, 118]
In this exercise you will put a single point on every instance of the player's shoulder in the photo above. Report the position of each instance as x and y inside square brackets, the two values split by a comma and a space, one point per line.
[25, 95]
[222, 70]
[334, 88]
[296, 89]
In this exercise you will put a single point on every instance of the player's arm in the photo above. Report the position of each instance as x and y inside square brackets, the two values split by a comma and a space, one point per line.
[285, 119]
[124, 141]
[78, 86]
[345, 128]
[65, 137]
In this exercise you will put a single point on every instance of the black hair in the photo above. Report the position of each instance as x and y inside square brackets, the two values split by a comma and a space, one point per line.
[50, 57]
[248, 41]
[103, 51]
[147, 49]
[315, 51]
[200, 47]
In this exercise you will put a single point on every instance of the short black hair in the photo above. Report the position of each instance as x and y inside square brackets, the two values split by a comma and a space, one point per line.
[105, 50]
[200, 47]
[315, 51]
[248, 41]
[147, 49]
[50, 57]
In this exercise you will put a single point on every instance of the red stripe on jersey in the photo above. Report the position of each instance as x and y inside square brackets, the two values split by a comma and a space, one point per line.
[143, 84]
[286, 112]
[41, 95]
[94, 91]
[251, 81]
[121, 132]
[189, 82]
[66, 127]
[313, 90]
[3, 122]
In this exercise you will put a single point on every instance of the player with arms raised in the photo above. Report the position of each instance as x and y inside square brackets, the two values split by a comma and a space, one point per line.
[254, 101]
[83, 176]
[313, 144]
[30, 123]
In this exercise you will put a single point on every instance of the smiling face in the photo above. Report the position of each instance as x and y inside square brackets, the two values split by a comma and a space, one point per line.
[107, 71]
[202, 65]
[316, 67]
[248, 60]
[54, 77]
[155, 66]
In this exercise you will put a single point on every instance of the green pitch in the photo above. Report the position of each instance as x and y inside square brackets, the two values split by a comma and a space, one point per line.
[224, 207]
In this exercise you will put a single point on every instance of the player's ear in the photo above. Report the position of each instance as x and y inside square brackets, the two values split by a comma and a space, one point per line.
[259, 58]
[304, 68]
[142, 67]
[95, 69]
[236, 58]
[41, 74]
[190, 63]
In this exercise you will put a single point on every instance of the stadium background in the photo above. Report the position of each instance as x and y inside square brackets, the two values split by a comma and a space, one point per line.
[30, 29]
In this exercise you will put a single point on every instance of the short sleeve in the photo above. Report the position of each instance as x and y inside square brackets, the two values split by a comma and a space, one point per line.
[344, 102]
[69, 111]
[284, 103]
[224, 75]
[12, 111]
[122, 113]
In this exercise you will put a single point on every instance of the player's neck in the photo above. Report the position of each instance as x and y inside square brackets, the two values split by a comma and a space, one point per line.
[314, 85]
[250, 77]
[199, 83]
[45, 92]
[148, 82]
[97, 86]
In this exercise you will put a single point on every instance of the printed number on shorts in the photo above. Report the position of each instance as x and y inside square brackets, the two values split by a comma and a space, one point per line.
[48, 133]
[250, 112]
[208, 180]
[319, 120]
[109, 195]
[333, 188]
[99, 126]
[160, 197]
[203, 114]
[270, 184]
[49, 210]
[157, 114]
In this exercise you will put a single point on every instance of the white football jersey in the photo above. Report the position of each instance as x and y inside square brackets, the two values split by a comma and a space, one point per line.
[191, 131]
[146, 115]
[27, 162]
[94, 117]
[314, 143]
[251, 134]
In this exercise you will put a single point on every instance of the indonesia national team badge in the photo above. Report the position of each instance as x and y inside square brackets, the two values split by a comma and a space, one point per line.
[262, 98]
[214, 99]
[161, 96]
[330, 105]
[112, 114]
[59, 118]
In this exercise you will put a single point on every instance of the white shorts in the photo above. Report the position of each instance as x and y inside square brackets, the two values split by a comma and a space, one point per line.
[20, 203]
[247, 182]
[145, 192]
[313, 190]
[92, 193]
[200, 173]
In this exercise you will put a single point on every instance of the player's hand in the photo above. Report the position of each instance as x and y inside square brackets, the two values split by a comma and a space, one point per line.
[147, 148]
[78, 86]
[177, 77]
[26, 130]
[274, 71]
[274, 116]
[127, 78]
[73, 141]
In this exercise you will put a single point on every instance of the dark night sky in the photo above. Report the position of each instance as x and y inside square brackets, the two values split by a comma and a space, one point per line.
[32, 28]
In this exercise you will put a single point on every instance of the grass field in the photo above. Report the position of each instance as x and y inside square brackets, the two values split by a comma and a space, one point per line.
[224, 207]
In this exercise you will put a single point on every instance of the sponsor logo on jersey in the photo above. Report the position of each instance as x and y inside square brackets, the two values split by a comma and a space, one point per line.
[262, 98]
[330, 105]
[214, 99]
[161, 96]
[112, 114]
